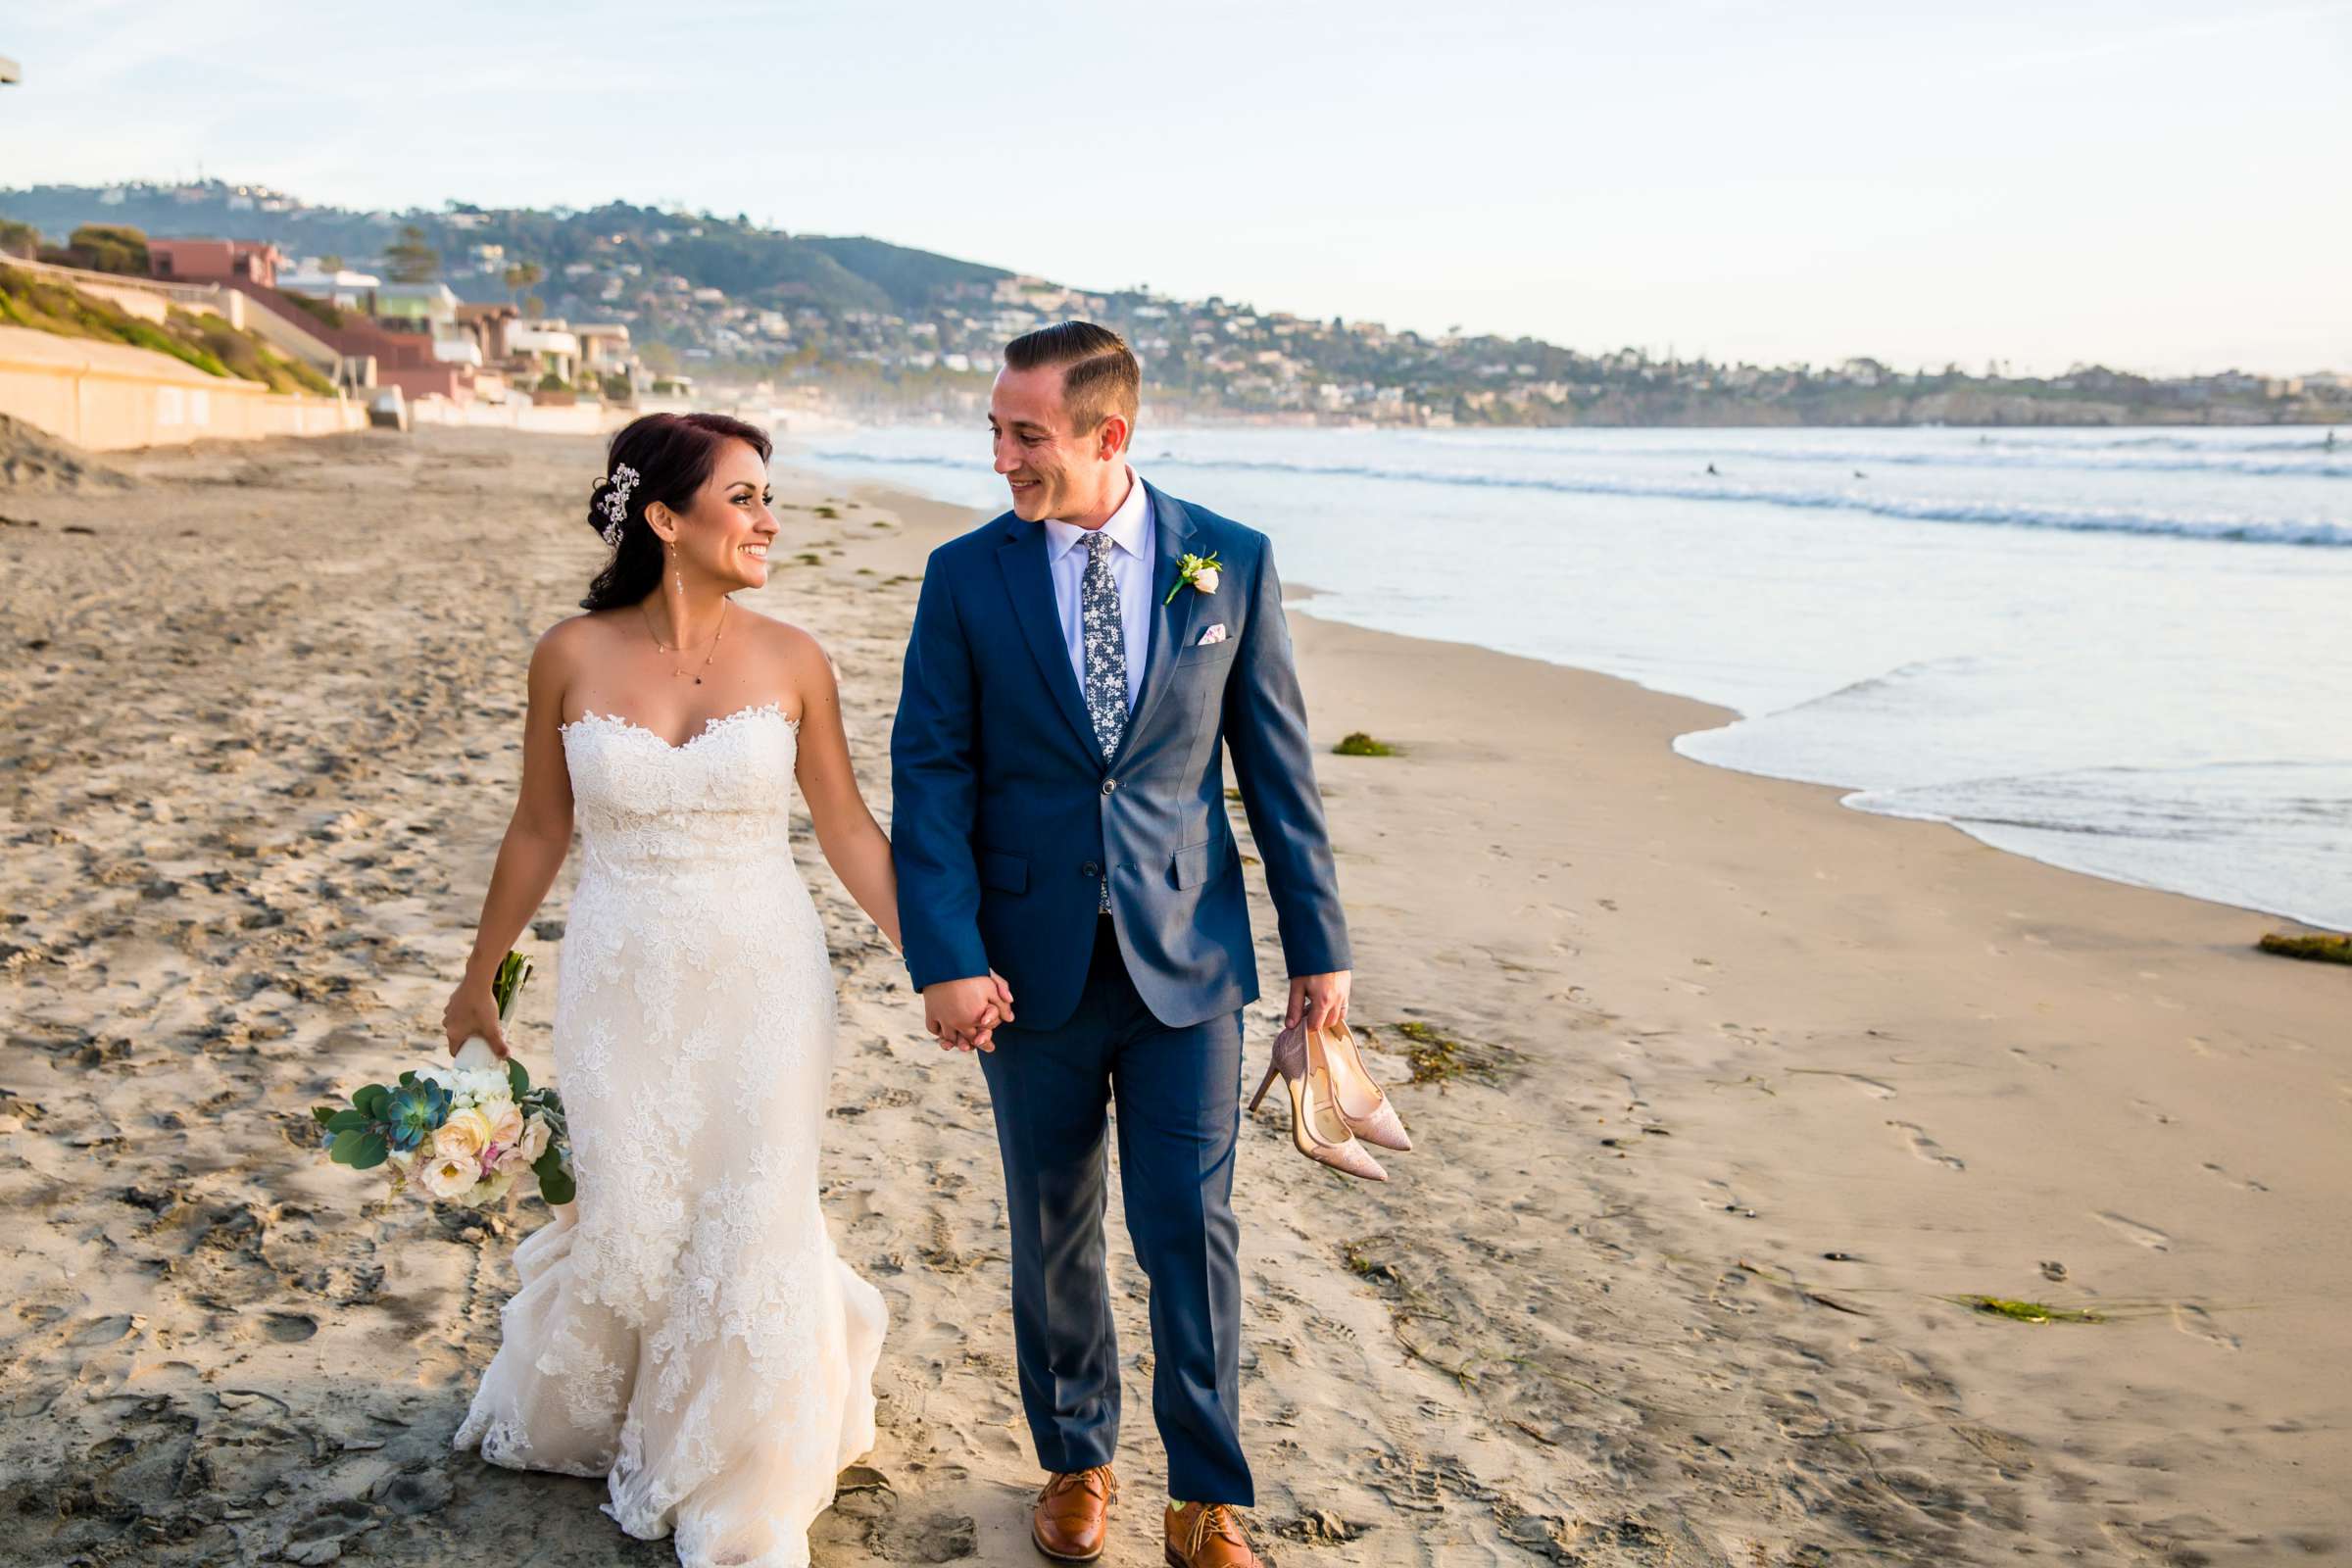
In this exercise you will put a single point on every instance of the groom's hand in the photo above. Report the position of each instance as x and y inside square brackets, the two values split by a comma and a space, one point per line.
[964, 1015]
[1321, 998]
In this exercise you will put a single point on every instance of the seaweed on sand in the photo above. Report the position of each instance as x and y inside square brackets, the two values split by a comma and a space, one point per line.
[2027, 1311]
[2321, 947]
[1439, 1057]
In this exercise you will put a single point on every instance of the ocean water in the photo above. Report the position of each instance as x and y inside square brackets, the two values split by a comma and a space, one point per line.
[2125, 652]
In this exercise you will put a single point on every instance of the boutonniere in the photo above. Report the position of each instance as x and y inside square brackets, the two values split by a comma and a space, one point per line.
[1202, 572]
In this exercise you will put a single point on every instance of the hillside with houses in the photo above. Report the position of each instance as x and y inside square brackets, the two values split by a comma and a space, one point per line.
[621, 302]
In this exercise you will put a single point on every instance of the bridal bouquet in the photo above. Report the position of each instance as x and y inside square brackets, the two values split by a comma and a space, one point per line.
[462, 1133]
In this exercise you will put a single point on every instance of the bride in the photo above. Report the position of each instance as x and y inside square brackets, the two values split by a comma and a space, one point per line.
[685, 1328]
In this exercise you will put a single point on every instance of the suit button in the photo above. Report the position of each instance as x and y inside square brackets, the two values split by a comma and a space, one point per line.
[1110, 784]
[1090, 869]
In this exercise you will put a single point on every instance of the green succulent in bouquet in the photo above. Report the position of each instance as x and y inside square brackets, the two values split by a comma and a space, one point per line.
[463, 1132]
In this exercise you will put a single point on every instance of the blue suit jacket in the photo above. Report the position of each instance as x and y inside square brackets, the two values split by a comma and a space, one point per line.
[1006, 813]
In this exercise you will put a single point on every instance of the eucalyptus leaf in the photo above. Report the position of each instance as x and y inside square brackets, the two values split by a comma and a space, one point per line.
[347, 1120]
[370, 1152]
[555, 1184]
[519, 1078]
[322, 1114]
[346, 1146]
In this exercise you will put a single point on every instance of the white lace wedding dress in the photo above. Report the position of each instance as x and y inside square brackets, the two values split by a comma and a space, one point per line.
[685, 1329]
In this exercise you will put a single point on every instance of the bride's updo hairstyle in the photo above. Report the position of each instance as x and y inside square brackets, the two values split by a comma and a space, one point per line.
[657, 456]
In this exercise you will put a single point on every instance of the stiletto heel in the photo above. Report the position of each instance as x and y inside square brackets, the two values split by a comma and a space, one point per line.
[1272, 1073]
[1317, 1128]
[1358, 1094]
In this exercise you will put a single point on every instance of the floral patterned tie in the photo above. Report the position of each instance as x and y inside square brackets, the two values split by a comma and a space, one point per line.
[1104, 636]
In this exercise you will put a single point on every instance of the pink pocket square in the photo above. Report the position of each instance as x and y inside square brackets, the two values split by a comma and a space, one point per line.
[1215, 634]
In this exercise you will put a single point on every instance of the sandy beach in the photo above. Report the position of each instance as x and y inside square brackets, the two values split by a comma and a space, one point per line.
[1726, 1099]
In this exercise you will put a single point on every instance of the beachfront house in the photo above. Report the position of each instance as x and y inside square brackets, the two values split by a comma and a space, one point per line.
[340, 287]
[214, 261]
[544, 348]
[487, 323]
[605, 351]
[432, 309]
[420, 305]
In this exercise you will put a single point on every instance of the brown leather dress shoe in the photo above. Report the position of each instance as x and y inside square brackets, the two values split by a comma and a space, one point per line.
[1207, 1534]
[1072, 1521]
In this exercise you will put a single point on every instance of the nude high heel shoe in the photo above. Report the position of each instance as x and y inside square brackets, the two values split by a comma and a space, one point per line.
[1317, 1128]
[1358, 1094]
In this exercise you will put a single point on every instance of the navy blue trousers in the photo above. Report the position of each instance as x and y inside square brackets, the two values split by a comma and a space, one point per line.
[1178, 1094]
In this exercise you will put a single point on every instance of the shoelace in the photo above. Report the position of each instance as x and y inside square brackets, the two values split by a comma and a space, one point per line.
[1222, 1520]
[1085, 1479]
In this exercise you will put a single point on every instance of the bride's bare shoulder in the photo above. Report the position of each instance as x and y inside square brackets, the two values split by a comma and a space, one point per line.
[778, 639]
[575, 638]
[806, 670]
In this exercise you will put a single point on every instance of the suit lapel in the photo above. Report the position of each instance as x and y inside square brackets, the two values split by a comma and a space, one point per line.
[1029, 581]
[1171, 620]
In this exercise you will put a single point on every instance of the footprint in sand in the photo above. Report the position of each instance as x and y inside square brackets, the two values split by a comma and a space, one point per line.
[1925, 1147]
[2132, 1230]
[291, 1327]
[2246, 1182]
[2195, 1321]
[1869, 1086]
[2012, 1454]
[106, 1330]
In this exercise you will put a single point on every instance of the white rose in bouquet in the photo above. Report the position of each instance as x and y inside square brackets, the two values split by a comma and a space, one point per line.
[448, 1177]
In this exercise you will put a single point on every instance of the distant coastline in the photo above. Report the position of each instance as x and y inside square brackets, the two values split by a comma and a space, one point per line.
[856, 328]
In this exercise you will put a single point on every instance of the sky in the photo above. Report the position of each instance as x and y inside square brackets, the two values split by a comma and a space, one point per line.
[2153, 185]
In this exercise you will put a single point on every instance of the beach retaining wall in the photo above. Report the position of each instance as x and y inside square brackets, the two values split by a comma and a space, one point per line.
[576, 419]
[109, 396]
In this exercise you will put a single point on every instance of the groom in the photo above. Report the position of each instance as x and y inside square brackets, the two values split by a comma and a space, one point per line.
[1079, 668]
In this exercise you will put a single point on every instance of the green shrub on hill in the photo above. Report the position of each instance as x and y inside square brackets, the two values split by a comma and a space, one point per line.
[206, 342]
[107, 248]
[320, 310]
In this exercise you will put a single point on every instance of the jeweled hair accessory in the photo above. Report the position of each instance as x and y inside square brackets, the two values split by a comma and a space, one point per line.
[615, 503]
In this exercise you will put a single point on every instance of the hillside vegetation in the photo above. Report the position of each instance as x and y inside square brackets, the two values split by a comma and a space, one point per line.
[751, 262]
[206, 342]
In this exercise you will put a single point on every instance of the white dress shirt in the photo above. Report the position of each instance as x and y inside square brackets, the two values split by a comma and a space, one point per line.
[1130, 531]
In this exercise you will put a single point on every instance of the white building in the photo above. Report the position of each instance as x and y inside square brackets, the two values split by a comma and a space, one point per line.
[343, 288]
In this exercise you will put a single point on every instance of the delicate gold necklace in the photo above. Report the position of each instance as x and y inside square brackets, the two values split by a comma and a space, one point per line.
[724, 606]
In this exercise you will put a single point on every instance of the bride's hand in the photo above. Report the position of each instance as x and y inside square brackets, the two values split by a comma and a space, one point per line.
[472, 1010]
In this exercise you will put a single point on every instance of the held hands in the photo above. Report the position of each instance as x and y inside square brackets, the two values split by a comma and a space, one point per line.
[1321, 998]
[472, 1010]
[964, 1015]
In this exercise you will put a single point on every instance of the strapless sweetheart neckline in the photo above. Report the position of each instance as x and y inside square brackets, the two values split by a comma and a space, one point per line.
[711, 726]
